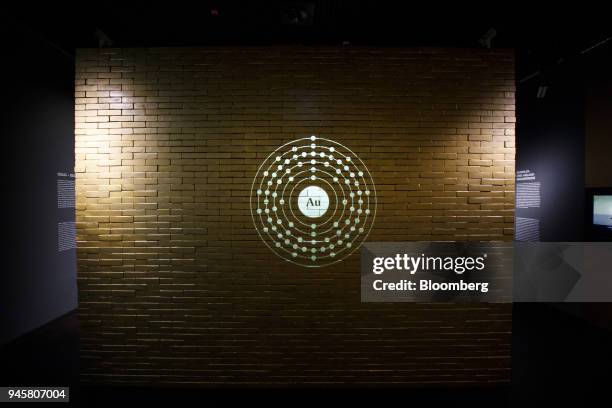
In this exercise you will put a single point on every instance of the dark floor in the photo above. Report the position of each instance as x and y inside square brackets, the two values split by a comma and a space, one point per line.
[557, 359]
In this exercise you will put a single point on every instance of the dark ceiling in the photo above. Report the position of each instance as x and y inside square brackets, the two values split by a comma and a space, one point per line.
[540, 37]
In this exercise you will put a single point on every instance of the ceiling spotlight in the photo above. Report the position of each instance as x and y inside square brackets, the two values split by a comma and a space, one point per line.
[300, 13]
[487, 38]
[103, 39]
[541, 91]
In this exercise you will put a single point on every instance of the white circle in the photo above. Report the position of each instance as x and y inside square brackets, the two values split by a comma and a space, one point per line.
[313, 201]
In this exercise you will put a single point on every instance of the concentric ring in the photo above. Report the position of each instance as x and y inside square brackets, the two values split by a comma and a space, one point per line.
[341, 190]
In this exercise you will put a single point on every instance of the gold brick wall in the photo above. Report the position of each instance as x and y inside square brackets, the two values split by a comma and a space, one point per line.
[176, 287]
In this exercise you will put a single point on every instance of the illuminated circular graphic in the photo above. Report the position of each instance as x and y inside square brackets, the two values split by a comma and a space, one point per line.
[313, 201]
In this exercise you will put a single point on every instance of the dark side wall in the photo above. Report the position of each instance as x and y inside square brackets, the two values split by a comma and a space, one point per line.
[550, 144]
[598, 141]
[565, 139]
[38, 281]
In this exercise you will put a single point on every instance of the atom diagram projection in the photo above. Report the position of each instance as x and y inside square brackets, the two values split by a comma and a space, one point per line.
[313, 201]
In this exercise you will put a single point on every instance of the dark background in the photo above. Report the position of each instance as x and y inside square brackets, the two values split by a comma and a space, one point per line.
[565, 50]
